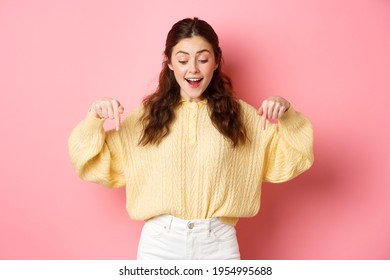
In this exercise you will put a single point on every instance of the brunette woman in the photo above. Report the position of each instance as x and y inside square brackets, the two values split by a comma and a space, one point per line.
[193, 156]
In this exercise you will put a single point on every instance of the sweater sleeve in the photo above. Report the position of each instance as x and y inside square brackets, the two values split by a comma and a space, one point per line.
[95, 154]
[289, 150]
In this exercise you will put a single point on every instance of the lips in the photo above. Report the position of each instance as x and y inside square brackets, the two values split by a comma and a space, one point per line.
[194, 82]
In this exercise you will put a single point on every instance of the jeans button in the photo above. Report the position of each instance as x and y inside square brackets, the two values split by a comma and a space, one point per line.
[190, 225]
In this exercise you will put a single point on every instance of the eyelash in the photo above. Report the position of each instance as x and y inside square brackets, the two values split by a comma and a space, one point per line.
[201, 61]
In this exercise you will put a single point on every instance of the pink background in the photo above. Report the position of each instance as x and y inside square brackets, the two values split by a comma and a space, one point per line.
[330, 58]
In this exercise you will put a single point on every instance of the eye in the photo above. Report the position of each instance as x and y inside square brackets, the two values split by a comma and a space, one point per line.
[182, 61]
[203, 60]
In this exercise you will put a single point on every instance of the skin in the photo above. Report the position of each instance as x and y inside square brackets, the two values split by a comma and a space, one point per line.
[192, 58]
[107, 108]
[272, 108]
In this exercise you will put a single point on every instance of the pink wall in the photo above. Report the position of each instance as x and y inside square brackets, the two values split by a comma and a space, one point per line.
[331, 59]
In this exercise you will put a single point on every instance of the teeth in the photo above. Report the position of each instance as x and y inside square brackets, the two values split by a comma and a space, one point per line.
[194, 80]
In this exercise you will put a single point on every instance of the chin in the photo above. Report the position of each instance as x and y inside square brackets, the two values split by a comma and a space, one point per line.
[194, 96]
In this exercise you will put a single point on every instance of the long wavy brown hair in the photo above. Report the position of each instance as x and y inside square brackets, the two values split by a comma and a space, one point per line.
[225, 111]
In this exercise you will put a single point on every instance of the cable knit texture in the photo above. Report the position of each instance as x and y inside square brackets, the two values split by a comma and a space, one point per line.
[195, 172]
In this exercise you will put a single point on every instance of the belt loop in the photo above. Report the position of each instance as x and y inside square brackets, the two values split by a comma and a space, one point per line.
[209, 228]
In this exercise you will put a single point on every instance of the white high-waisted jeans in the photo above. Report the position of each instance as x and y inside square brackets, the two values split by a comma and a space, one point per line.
[170, 238]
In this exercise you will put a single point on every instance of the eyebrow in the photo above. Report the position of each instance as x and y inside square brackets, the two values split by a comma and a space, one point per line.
[198, 52]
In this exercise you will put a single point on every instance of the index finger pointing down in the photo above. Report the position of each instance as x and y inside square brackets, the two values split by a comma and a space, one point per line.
[117, 115]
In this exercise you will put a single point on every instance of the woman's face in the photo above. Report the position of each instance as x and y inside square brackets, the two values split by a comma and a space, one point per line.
[193, 64]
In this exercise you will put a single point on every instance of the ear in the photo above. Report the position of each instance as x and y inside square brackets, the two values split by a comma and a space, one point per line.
[216, 66]
[170, 66]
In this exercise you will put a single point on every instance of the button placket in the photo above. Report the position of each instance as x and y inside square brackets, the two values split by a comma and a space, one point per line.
[193, 123]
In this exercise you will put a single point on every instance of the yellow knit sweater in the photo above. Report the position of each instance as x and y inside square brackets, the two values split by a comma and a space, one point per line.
[194, 173]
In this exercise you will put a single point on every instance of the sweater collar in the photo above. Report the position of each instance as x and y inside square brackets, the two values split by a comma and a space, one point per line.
[201, 102]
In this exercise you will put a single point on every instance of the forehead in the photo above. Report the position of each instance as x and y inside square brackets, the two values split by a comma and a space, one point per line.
[192, 46]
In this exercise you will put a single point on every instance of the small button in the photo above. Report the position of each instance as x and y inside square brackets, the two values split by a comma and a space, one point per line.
[190, 225]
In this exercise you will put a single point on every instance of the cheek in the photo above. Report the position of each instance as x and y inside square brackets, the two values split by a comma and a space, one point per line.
[178, 69]
[209, 71]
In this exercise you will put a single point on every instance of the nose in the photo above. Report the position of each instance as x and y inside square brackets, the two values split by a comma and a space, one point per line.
[193, 67]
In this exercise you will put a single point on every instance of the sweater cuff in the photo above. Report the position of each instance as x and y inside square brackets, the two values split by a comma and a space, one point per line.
[291, 119]
[92, 123]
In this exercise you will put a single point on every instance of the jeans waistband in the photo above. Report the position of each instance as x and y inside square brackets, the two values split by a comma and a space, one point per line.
[169, 222]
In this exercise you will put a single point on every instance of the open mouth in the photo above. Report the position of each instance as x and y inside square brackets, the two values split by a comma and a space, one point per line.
[194, 82]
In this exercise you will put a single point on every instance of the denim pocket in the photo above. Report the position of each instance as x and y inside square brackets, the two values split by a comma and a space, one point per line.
[224, 232]
[153, 229]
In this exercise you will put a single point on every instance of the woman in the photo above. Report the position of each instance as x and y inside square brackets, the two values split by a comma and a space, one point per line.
[192, 157]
